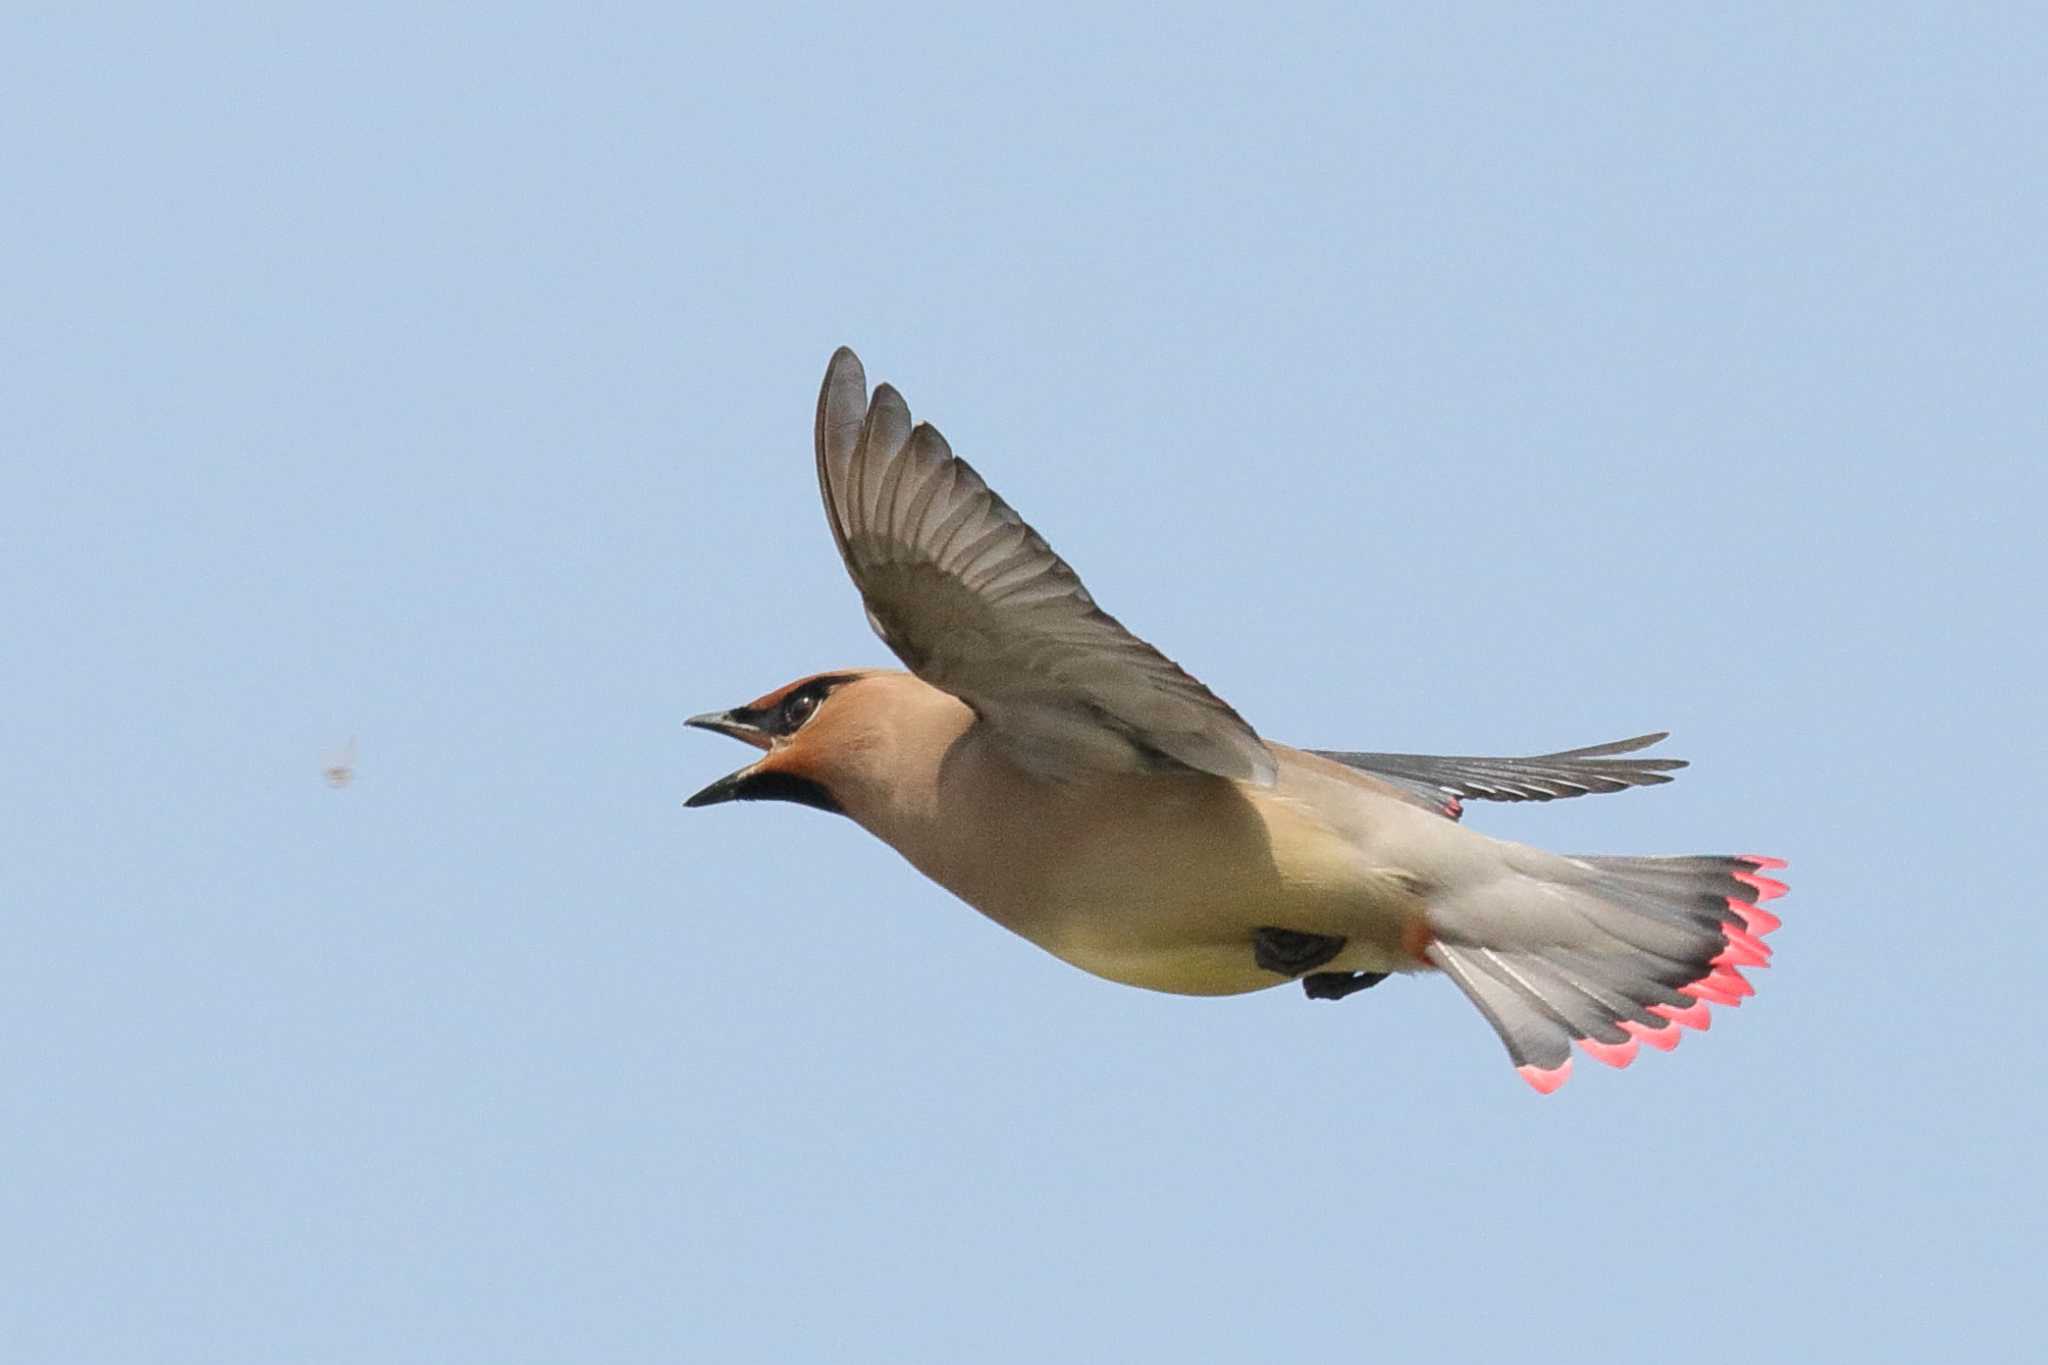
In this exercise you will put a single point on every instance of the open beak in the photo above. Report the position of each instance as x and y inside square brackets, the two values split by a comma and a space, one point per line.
[731, 787]
[734, 723]
[752, 783]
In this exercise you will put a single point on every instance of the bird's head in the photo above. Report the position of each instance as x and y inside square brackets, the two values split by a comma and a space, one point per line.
[818, 737]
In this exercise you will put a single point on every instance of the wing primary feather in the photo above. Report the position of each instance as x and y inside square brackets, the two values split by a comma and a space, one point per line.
[976, 603]
[1538, 777]
[1619, 746]
[842, 415]
[882, 443]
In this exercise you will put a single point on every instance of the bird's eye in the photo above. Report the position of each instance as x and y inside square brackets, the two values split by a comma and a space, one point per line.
[798, 709]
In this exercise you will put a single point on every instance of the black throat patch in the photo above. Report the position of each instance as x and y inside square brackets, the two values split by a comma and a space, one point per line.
[773, 786]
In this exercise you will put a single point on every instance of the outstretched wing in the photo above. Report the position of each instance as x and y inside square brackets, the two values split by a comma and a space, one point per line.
[1540, 777]
[975, 602]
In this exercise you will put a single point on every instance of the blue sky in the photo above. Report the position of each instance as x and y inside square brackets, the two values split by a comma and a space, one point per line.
[1493, 381]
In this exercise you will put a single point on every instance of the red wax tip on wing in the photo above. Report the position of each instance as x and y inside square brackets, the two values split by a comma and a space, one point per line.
[1761, 860]
[1663, 1039]
[1616, 1055]
[1692, 1016]
[1546, 1081]
[1767, 888]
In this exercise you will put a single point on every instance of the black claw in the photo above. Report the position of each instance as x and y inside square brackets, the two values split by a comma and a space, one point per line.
[1337, 985]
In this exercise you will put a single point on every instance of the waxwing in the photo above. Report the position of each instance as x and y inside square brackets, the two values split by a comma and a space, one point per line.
[1078, 787]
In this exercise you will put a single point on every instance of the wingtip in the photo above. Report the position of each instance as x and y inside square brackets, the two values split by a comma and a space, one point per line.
[845, 386]
[887, 419]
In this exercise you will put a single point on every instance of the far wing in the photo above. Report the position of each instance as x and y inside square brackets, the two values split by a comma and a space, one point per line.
[1540, 777]
[974, 602]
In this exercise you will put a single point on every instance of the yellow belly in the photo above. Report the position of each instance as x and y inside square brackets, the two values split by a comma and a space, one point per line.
[1169, 894]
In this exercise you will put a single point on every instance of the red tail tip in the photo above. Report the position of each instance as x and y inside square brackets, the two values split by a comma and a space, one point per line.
[1616, 1055]
[1663, 1039]
[1759, 920]
[1742, 946]
[1546, 1081]
[1767, 888]
[1723, 986]
[1706, 989]
[1744, 949]
[1693, 1016]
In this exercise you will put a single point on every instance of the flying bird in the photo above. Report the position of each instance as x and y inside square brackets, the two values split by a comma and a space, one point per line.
[1075, 785]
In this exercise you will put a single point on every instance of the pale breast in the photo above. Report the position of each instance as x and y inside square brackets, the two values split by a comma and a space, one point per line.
[1160, 881]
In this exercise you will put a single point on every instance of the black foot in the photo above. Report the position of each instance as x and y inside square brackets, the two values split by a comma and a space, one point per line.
[1337, 985]
[1291, 952]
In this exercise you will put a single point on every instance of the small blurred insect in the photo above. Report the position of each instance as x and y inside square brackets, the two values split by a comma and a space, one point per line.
[341, 767]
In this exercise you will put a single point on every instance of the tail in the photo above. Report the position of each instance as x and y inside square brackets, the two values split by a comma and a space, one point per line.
[1633, 951]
